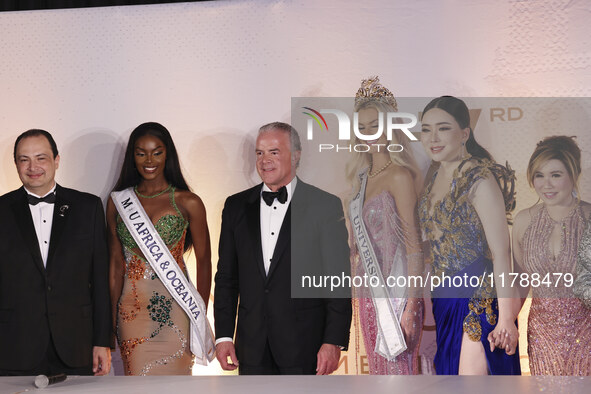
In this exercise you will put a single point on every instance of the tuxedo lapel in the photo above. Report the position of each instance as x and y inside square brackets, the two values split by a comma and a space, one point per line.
[24, 219]
[60, 218]
[253, 217]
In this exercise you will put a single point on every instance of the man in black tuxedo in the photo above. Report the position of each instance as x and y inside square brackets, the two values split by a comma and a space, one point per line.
[276, 333]
[54, 295]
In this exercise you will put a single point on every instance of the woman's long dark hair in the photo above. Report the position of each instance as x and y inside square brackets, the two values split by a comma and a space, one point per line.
[504, 175]
[458, 109]
[130, 176]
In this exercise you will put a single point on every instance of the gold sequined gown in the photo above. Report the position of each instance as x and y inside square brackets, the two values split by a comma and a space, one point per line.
[559, 325]
[152, 329]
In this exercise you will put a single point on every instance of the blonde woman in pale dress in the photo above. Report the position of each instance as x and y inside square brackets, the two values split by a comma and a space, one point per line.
[546, 240]
[389, 215]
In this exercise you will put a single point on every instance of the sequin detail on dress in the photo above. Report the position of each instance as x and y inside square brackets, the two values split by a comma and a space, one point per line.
[559, 325]
[457, 239]
[153, 330]
[458, 247]
[386, 236]
[582, 285]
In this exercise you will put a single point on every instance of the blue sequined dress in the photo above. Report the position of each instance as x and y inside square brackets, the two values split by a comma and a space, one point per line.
[459, 249]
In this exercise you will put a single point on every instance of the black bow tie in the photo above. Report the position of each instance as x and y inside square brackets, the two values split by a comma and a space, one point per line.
[280, 195]
[50, 199]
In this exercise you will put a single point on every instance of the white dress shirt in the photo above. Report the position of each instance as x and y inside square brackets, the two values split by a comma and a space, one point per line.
[42, 214]
[271, 220]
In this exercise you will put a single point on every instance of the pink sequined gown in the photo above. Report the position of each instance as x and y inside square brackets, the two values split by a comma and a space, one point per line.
[559, 325]
[384, 230]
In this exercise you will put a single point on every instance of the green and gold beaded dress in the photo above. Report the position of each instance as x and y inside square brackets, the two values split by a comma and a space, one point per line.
[152, 329]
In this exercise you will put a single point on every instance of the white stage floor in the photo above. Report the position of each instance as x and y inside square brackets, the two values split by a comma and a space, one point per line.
[303, 384]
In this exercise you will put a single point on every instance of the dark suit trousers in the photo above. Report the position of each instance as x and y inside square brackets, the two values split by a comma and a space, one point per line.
[268, 366]
[51, 364]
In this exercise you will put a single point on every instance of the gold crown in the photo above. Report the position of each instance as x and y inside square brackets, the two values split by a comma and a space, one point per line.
[372, 89]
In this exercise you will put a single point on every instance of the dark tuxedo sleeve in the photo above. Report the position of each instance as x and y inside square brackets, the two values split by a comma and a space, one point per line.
[100, 280]
[226, 279]
[335, 253]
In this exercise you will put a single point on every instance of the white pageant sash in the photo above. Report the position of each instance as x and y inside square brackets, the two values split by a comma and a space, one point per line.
[390, 339]
[170, 274]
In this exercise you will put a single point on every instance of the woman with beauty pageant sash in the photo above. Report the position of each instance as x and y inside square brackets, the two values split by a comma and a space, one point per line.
[463, 216]
[153, 219]
[546, 239]
[382, 209]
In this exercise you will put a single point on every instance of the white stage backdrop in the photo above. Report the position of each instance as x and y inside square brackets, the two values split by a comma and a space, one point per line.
[213, 72]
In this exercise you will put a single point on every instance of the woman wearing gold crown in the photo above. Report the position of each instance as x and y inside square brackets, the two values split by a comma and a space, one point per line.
[383, 209]
[463, 217]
